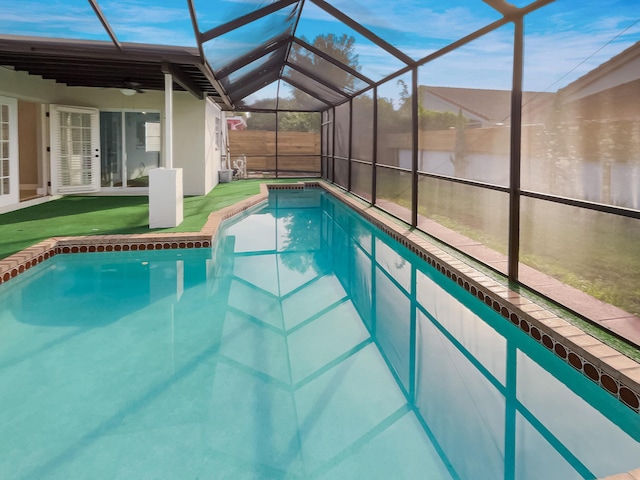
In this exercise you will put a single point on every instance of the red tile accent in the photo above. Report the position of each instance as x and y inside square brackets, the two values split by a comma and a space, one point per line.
[609, 383]
[547, 342]
[592, 372]
[629, 398]
[560, 351]
[575, 361]
[535, 333]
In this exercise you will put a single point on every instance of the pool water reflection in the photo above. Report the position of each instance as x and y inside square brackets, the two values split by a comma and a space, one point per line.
[306, 344]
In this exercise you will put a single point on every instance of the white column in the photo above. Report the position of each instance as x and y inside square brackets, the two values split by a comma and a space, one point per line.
[168, 120]
[165, 183]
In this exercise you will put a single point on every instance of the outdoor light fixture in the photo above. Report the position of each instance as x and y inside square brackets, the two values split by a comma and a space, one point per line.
[127, 91]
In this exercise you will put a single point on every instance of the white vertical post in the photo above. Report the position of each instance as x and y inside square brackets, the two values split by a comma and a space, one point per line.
[165, 184]
[168, 120]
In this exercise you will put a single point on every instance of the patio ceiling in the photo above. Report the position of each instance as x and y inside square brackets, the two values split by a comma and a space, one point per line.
[231, 50]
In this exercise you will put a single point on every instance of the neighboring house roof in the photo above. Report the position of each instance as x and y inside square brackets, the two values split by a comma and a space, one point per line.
[491, 106]
[622, 69]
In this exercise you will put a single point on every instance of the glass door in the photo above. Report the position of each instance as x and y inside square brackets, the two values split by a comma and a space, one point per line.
[130, 144]
[75, 152]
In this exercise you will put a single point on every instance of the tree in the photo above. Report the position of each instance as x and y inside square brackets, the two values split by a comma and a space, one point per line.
[459, 157]
[339, 47]
[299, 122]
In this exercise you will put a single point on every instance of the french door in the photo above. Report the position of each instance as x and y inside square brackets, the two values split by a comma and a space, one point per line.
[9, 182]
[75, 149]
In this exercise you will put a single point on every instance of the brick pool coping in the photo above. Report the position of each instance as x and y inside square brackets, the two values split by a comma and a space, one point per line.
[616, 373]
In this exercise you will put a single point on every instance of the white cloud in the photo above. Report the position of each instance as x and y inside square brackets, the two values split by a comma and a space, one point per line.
[36, 18]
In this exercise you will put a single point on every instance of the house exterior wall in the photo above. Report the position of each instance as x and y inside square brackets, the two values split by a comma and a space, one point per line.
[213, 148]
[626, 73]
[188, 143]
[26, 87]
[193, 149]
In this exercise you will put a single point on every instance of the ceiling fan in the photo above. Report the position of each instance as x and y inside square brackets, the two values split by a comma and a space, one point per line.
[129, 88]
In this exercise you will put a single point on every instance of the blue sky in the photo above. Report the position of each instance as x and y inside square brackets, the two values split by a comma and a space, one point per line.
[564, 40]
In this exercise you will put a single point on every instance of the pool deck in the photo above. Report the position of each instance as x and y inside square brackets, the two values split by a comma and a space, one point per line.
[632, 475]
[609, 317]
[616, 373]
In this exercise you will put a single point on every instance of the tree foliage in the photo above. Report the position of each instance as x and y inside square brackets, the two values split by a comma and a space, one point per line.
[340, 47]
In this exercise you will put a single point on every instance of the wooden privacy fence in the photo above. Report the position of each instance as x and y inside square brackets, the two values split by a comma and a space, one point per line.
[297, 151]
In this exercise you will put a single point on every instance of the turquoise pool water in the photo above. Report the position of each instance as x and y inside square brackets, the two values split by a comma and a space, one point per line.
[305, 345]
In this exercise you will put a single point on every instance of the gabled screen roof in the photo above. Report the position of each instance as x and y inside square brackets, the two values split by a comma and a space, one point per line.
[319, 53]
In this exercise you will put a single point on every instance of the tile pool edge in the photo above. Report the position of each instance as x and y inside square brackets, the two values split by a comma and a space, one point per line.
[22, 261]
[616, 373]
[613, 371]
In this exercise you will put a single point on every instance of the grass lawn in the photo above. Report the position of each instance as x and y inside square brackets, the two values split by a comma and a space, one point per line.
[92, 215]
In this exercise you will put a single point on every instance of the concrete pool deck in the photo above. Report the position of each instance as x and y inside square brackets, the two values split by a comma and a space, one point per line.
[616, 373]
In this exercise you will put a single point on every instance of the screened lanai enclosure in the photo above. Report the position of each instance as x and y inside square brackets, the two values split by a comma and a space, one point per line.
[510, 131]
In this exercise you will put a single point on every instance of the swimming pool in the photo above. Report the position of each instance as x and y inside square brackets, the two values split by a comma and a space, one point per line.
[305, 344]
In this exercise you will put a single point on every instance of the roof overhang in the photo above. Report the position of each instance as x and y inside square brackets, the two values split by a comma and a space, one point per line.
[103, 64]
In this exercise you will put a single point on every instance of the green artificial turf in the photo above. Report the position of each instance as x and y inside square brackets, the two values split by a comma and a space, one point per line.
[92, 215]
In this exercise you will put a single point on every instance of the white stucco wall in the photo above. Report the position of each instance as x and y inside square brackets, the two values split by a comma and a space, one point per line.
[188, 142]
[27, 87]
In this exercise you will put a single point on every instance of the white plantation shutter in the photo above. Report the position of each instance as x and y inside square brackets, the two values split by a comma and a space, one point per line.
[75, 149]
[9, 182]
